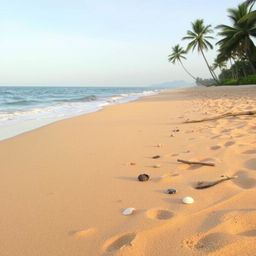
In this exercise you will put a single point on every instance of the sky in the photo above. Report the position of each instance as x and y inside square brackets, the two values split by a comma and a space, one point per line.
[97, 43]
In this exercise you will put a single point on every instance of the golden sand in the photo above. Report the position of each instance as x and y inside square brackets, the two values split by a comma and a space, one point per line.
[63, 187]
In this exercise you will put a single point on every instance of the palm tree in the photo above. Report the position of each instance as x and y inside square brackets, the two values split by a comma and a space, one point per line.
[177, 54]
[219, 64]
[199, 39]
[237, 38]
[250, 14]
[250, 1]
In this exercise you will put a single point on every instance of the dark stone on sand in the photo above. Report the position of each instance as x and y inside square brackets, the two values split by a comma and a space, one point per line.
[155, 157]
[171, 191]
[143, 177]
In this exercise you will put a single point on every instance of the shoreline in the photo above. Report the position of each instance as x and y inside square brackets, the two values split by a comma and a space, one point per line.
[63, 186]
[18, 127]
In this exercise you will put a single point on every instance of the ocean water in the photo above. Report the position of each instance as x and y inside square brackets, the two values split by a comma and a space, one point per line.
[26, 108]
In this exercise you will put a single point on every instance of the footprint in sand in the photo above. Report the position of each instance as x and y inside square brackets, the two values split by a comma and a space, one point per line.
[216, 147]
[250, 233]
[229, 143]
[242, 223]
[226, 130]
[215, 137]
[82, 232]
[215, 241]
[159, 214]
[119, 241]
[251, 164]
[251, 151]
[244, 180]
[228, 229]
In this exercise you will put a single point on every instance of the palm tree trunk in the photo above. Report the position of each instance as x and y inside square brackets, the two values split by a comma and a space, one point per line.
[187, 70]
[236, 72]
[243, 69]
[252, 66]
[232, 69]
[212, 73]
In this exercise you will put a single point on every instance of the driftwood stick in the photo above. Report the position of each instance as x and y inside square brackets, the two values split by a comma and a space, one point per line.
[244, 113]
[200, 163]
[207, 184]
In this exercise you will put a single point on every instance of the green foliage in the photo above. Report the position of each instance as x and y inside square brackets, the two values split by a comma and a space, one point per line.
[236, 54]
[236, 39]
[177, 54]
[240, 68]
[199, 38]
[229, 82]
[251, 79]
[247, 80]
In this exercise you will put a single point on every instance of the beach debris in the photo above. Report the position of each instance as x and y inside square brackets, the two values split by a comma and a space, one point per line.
[176, 130]
[143, 177]
[132, 163]
[129, 211]
[185, 151]
[229, 114]
[171, 191]
[208, 184]
[156, 166]
[156, 157]
[188, 200]
[192, 162]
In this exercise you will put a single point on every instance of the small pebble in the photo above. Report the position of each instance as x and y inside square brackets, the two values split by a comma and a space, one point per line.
[171, 191]
[143, 177]
[155, 157]
[188, 200]
[129, 211]
[185, 151]
[132, 163]
[159, 145]
[157, 166]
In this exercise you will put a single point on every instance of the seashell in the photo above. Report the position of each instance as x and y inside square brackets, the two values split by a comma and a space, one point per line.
[143, 177]
[129, 211]
[188, 200]
[171, 191]
[155, 157]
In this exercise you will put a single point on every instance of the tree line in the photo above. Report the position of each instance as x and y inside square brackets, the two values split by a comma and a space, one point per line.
[236, 52]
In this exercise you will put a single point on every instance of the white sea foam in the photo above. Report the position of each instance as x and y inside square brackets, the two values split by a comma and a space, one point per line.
[17, 122]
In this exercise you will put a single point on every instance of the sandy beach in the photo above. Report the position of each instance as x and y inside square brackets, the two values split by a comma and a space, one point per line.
[63, 187]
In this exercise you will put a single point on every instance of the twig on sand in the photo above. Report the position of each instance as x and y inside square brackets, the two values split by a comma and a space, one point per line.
[207, 184]
[191, 162]
[244, 113]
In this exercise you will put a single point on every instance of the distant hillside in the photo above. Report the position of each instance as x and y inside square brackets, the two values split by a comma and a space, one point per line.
[174, 84]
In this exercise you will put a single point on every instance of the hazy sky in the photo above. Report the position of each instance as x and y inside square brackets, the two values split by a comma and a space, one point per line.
[111, 42]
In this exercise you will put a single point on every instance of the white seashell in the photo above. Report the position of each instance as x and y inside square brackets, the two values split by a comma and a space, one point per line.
[188, 200]
[129, 211]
